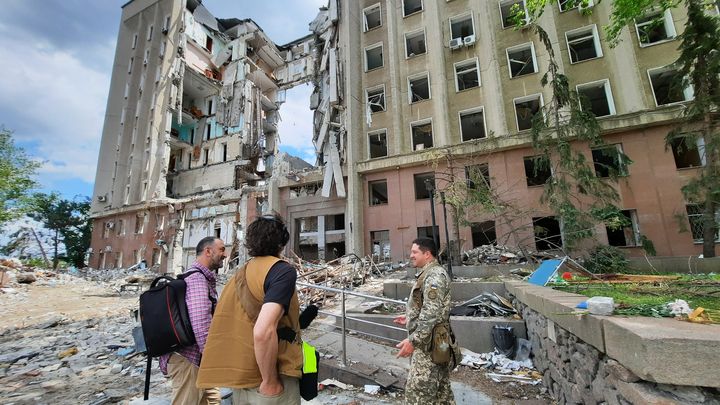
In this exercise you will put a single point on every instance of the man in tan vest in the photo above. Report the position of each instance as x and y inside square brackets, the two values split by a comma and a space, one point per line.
[254, 343]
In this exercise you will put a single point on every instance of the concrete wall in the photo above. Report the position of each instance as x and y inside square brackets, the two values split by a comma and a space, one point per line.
[593, 359]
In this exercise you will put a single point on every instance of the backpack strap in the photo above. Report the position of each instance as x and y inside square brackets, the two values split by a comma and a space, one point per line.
[213, 301]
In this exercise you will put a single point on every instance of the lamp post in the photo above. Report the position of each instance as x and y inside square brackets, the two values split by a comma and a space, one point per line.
[430, 187]
[447, 237]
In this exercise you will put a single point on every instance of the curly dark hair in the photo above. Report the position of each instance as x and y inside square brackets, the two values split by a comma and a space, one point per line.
[266, 236]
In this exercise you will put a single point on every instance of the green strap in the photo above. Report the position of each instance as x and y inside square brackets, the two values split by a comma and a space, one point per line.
[309, 359]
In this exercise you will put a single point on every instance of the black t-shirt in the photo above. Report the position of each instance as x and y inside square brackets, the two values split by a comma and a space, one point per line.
[280, 284]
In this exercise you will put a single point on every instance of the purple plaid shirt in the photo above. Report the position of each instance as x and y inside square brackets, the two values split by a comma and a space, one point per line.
[199, 289]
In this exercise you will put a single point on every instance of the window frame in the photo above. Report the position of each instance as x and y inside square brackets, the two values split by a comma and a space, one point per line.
[462, 16]
[419, 123]
[634, 225]
[623, 166]
[477, 70]
[524, 99]
[370, 8]
[699, 147]
[502, 20]
[596, 42]
[367, 101]
[382, 54]
[415, 191]
[690, 223]
[668, 23]
[522, 47]
[422, 8]
[370, 194]
[579, 6]
[416, 76]
[469, 111]
[369, 148]
[527, 179]
[688, 92]
[608, 95]
[412, 33]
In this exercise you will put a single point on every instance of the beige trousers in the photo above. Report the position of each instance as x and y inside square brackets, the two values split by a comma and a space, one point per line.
[184, 392]
[251, 396]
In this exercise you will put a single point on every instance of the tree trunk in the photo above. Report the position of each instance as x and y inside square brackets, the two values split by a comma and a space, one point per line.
[55, 254]
[42, 249]
[709, 228]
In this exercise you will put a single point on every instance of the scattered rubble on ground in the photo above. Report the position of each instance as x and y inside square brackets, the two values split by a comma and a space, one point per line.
[501, 368]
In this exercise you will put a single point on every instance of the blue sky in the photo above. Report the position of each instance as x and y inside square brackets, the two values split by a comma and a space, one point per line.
[57, 59]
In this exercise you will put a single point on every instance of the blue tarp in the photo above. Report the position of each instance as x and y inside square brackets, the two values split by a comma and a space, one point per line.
[545, 271]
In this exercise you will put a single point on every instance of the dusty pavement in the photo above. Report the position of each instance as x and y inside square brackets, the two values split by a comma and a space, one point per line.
[66, 339]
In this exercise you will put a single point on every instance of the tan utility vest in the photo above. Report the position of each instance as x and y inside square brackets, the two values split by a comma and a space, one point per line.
[229, 356]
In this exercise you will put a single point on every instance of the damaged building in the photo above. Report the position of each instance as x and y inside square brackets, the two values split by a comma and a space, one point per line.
[190, 141]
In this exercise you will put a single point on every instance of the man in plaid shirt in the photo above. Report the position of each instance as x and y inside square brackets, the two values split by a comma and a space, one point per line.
[200, 297]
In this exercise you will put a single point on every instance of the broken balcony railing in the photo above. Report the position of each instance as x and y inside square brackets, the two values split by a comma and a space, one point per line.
[344, 317]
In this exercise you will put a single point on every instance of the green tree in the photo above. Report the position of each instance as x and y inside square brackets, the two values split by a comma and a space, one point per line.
[699, 65]
[69, 222]
[16, 177]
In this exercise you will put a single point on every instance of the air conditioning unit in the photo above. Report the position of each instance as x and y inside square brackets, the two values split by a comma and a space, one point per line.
[102, 198]
[455, 43]
[109, 225]
[469, 40]
[108, 248]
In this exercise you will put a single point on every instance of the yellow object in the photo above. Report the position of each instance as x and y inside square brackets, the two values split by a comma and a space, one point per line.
[67, 353]
[309, 359]
[698, 315]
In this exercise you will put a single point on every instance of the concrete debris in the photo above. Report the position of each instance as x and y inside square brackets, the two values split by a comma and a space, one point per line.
[492, 254]
[502, 368]
[485, 305]
[25, 278]
[679, 307]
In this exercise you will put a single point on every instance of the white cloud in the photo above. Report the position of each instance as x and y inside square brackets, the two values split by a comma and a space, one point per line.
[54, 102]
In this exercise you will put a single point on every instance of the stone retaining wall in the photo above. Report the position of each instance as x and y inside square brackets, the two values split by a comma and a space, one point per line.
[578, 372]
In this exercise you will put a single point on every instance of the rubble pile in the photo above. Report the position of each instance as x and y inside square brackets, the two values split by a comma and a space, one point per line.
[485, 305]
[91, 361]
[501, 368]
[492, 254]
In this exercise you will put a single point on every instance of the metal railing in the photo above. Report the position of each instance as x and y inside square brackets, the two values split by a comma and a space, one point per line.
[344, 317]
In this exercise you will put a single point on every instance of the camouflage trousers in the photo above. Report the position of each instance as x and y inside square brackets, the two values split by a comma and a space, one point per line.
[427, 382]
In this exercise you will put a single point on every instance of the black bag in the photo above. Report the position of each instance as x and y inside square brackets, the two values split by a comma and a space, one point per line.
[164, 319]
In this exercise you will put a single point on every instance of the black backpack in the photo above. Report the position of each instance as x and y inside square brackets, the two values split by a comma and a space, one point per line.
[164, 319]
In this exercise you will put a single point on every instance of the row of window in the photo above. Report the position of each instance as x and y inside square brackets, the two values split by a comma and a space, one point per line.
[119, 263]
[594, 96]
[607, 160]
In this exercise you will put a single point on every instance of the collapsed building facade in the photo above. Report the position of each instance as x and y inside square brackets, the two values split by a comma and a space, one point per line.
[190, 142]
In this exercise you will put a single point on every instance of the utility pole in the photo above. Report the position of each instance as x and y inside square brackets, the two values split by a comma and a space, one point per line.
[447, 237]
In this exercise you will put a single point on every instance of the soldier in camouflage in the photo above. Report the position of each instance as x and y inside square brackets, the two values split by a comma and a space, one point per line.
[428, 305]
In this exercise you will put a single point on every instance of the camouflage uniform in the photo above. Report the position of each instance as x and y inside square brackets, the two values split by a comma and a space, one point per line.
[428, 305]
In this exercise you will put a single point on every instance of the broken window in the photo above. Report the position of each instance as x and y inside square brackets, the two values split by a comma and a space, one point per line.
[372, 17]
[147, 57]
[208, 131]
[308, 224]
[462, 27]
[609, 161]
[163, 45]
[380, 241]
[119, 260]
[478, 176]
[667, 86]
[422, 136]
[134, 42]
[150, 33]
[525, 110]
[415, 44]
[695, 214]
[107, 226]
[424, 185]
[378, 192]
[335, 222]
[628, 234]
[102, 260]
[374, 57]
[189, 160]
[655, 28]
[411, 7]
[483, 233]
[472, 124]
[521, 60]
[688, 151]
[376, 99]
[155, 257]
[509, 9]
[419, 88]
[206, 156]
[121, 227]
[377, 142]
[224, 152]
[467, 75]
[130, 65]
[166, 24]
[208, 43]
[566, 5]
[139, 223]
[583, 44]
[547, 233]
[537, 170]
[597, 97]
[427, 232]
